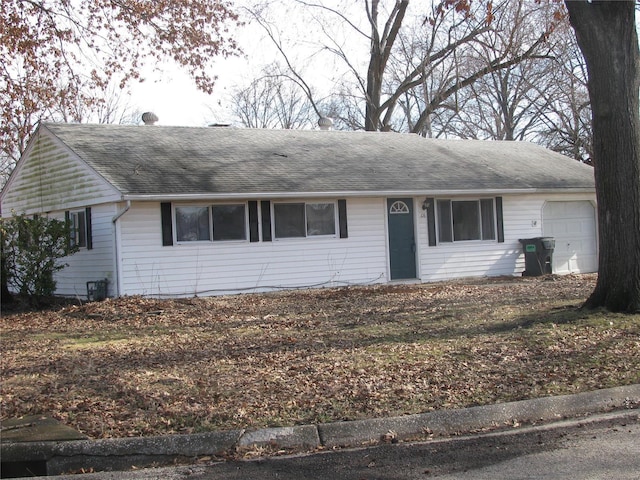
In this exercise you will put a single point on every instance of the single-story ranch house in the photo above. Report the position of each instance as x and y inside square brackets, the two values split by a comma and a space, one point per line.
[184, 211]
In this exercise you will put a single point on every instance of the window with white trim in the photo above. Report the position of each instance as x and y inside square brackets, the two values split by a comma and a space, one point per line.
[300, 219]
[221, 222]
[78, 229]
[464, 220]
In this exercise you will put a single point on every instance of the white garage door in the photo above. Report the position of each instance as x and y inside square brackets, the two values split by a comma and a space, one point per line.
[573, 225]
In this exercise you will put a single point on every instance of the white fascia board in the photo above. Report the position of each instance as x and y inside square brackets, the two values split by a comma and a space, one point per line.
[388, 193]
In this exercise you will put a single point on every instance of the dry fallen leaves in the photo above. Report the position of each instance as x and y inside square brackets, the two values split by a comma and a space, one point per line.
[138, 366]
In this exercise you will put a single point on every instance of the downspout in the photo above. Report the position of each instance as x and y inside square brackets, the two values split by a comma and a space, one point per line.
[117, 247]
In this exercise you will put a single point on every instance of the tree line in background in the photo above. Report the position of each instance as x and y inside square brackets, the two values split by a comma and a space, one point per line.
[486, 69]
[71, 61]
[502, 70]
[508, 70]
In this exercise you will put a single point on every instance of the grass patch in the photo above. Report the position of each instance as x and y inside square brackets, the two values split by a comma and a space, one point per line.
[138, 366]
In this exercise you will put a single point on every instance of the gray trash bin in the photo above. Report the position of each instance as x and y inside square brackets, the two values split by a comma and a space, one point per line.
[538, 255]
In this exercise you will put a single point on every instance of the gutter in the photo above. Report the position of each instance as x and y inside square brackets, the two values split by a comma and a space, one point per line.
[122, 212]
[362, 194]
[117, 247]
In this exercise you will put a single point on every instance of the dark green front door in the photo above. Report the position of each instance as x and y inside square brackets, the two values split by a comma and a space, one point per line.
[402, 242]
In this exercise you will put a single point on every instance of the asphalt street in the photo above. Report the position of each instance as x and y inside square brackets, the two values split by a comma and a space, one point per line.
[601, 447]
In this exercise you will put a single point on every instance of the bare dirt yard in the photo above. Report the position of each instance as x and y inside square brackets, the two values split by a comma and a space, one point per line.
[139, 366]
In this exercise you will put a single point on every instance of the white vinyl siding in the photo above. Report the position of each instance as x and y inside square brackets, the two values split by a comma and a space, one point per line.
[146, 267]
[204, 268]
[90, 265]
[52, 179]
[522, 217]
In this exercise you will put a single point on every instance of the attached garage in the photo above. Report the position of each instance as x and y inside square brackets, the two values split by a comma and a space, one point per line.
[573, 225]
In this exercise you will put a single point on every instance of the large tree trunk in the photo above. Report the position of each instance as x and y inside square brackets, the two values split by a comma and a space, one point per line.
[381, 45]
[606, 33]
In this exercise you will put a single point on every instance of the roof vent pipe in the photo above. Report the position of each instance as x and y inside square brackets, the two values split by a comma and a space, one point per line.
[149, 118]
[325, 123]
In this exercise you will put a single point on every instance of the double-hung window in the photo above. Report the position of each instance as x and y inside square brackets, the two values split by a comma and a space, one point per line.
[78, 229]
[210, 223]
[302, 219]
[464, 220]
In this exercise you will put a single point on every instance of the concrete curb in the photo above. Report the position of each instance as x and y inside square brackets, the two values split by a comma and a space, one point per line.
[450, 422]
[123, 453]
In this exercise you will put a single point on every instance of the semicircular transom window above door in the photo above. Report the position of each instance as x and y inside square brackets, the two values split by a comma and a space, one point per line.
[398, 207]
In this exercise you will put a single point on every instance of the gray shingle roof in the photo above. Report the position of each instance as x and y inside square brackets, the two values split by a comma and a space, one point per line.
[160, 160]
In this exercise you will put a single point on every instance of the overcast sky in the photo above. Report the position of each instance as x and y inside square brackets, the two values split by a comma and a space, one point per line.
[174, 98]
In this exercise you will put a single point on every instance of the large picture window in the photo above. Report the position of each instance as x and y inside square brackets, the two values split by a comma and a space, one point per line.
[464, 220]
[304, 219]
[216, 222]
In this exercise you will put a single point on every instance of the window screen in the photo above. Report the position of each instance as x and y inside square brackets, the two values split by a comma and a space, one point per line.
[466, 220]
[321, 219]
[229, 222]
[289, 220]
[192, 224]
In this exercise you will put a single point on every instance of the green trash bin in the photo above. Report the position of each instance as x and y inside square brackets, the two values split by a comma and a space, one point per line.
[538, 255]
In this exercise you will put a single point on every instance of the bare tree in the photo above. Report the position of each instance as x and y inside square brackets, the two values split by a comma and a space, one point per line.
[58, 55]
[505, 104]
[272, 101]
[566, 120]
[108, 106]
[401, 63]
[544, 100]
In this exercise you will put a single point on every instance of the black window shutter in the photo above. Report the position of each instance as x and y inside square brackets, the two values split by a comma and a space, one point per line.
[500, 220]
[253, 221]
[342, 218]
[67, 219]
[431, 221]
[265, 210]
[87, 214]
[167, 224]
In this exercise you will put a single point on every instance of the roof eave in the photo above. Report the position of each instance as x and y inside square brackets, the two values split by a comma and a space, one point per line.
[335, 194]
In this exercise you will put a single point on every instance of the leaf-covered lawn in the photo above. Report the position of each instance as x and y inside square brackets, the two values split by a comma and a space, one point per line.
[139, 366]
